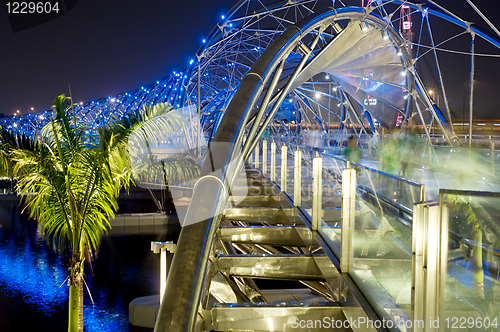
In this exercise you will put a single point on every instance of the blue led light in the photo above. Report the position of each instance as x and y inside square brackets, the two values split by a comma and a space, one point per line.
[204, 41]
[191, 62]
[222, 17]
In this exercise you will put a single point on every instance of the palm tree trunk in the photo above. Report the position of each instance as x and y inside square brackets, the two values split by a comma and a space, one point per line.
[80, 314]
[74, 306]
[75, 312]
[478, 264]
[478, 258]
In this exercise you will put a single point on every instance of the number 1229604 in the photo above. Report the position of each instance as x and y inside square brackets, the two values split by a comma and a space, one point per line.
[471, 322]
[32, 7]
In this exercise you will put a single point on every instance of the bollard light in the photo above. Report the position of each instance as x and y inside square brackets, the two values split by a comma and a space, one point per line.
[162, 248]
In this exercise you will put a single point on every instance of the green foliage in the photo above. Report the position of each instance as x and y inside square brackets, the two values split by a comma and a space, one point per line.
[70, 185]
[8, 142]
[463, 220]
[69, 188]
[171, 171]
[146, 128]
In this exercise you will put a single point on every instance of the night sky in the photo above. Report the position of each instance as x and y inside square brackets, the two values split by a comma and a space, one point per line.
[105, 47]
[101, 47]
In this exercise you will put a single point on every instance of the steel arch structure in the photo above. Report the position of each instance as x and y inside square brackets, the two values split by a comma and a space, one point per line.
[347, 94]
[340, 42]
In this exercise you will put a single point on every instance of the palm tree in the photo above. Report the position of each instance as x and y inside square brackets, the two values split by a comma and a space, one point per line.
[161, 145]
[8, 142]
[70, 186]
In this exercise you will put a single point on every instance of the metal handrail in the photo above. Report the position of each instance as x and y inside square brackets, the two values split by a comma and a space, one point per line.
[413, 183]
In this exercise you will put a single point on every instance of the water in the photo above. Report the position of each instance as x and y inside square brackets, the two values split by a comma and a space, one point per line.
[33, 291]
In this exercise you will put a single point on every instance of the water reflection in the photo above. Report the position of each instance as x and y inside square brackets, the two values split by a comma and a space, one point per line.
[33, 291]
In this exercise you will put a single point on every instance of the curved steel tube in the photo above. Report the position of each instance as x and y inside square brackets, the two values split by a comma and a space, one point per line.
[188, 277]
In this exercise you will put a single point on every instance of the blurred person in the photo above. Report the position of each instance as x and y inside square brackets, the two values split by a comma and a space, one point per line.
[352, 152]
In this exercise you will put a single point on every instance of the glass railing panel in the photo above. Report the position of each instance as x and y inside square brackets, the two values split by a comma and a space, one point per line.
[331, 201]
[290, 169]
[382, 251]
[380, 188]
[472, 287]
[306, 178]
[277, 173]
[331, 186]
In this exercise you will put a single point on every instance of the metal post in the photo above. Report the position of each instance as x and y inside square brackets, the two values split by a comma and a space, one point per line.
[264, 156]
[471, 94]
[348, 214]
[198, 134]
[317, 193]
[283, 168]
[432, 273]
[162, 248]
[163, 272]
[429, 259]
[273, 161]
[422, 193]
[256, 161]
[417, 280]
[297, 179]
[492, 157]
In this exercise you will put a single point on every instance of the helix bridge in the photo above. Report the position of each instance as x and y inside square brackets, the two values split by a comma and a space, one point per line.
[267, 102]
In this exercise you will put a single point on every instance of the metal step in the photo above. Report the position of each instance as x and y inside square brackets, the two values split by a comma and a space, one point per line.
[262, 236]
[312, 316]
[285, 267]
[270, 235]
